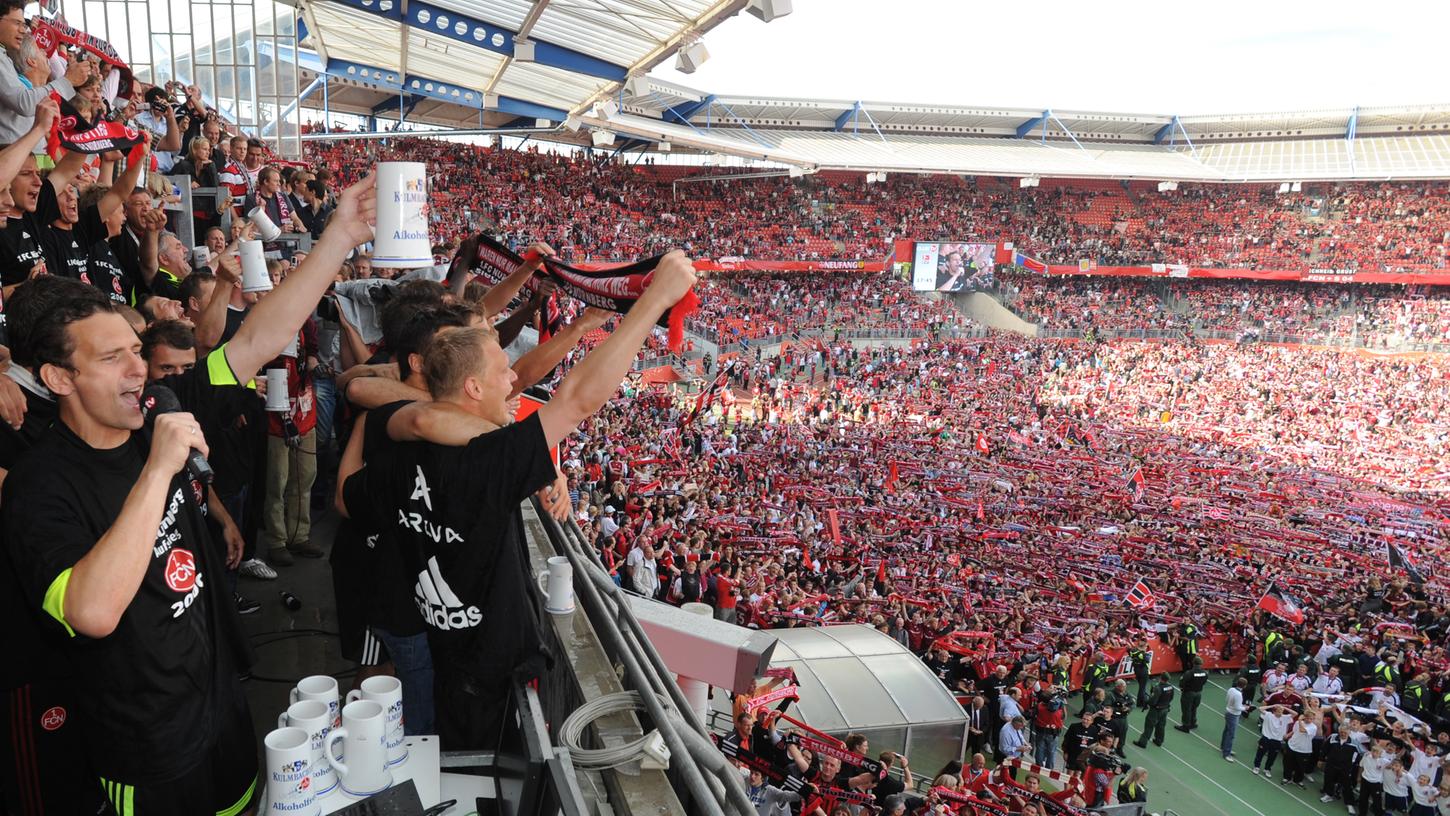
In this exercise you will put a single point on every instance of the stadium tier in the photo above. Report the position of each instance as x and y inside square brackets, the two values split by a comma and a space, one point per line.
[604, 210]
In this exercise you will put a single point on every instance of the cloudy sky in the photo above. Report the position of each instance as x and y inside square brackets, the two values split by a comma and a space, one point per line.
[1229, 56]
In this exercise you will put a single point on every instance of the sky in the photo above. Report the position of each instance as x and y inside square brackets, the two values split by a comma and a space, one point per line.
[1228, 56]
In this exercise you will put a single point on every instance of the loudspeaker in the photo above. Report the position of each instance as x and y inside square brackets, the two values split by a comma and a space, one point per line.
[691, 57]
[601, 138]
[637, 86]
[768, 10]
[572, 124]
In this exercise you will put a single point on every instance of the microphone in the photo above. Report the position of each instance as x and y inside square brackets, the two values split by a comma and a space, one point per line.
[157, 400]
[290, 601]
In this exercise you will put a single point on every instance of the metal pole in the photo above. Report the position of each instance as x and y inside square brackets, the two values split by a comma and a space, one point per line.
[333, 137]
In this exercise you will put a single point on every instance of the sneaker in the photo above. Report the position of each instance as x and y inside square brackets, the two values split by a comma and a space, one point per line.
[1256, 771]
[245, 605]
[258, 569]
[1308, 777]
[1230, 759]
[281, 556]
[1326, 798]
[306, 549]
[1301, 785]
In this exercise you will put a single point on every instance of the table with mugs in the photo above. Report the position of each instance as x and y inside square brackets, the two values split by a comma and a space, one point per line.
[330, 750]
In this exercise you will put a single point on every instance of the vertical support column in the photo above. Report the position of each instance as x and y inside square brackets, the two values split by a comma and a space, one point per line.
[697, 692]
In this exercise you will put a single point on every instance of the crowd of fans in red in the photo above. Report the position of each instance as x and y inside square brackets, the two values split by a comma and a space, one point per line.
[1375, 316]
[986, 486]
[594, 207]
[748, 306]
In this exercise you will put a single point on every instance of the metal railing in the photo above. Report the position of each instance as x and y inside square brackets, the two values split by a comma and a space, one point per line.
[702, 778]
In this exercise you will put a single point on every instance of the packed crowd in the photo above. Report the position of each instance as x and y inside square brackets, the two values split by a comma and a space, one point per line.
[989, 487]
[747, 306]
[1374, 316]
[595, 207]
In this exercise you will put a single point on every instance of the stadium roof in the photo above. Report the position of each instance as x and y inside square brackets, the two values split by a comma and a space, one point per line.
[459, 63]
[538, 59]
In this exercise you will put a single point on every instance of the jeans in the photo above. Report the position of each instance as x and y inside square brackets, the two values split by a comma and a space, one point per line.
[325, 393]
[1044, 747]
[1230, 730]
[413, 665]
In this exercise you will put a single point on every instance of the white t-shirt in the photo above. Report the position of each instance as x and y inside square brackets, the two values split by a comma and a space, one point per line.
[1424, 794]
[1275, 725]
[1301, 739]
[1397, 783]
[1235, 702]
[1372, 769]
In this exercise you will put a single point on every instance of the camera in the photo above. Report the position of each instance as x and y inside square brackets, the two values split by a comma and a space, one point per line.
[1105, 761]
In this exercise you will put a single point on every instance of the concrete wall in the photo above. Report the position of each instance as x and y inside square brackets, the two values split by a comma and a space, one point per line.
[986, 310]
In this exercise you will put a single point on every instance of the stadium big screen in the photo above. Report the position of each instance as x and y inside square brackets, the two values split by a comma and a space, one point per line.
[952, 266]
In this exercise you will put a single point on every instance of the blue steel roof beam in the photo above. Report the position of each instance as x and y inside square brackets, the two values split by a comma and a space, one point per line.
[1032, 124]
[681, 114]
[437, 89]
[488, 36]
[1168, 132]
[850, 114]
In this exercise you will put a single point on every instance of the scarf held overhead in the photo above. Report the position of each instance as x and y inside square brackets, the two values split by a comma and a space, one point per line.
[616, 288]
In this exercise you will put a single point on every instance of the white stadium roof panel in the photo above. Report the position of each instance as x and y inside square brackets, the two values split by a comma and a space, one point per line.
[585, 51]
[551, 86]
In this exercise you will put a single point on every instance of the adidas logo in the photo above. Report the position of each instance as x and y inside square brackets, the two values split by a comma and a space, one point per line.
[439, 606]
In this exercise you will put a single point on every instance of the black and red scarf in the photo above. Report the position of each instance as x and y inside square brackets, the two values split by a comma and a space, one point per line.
[616, 289]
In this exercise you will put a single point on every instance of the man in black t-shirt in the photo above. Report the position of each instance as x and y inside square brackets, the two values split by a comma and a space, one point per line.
[109, 540]
[455, 510]
[20, 255]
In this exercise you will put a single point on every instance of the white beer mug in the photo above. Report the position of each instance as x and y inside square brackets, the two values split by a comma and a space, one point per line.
[388, 693]
[401, 237]
[318, 687]
[313, 717]
[266, 230]
[289, 774]
[254, 267]
[557, 584]
[363, 765]
[277, 401]
[200, 257]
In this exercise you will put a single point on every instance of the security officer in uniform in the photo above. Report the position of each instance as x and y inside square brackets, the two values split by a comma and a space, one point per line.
[1160, 699]
[1187, 644]
[1253, 677]
[1097, 675]
[1142, 660]
[1387, 671]
[1060, 676]
[1193, 682]
[1121, 703]
[1416, 699]
[1276, 648]
[1348, 669]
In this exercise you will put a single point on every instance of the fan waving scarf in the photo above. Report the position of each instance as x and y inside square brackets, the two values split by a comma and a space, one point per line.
[616, 288]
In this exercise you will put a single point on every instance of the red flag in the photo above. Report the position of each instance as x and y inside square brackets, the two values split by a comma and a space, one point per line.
[835, 525]
[981, 511]
[891, 479]
[1280, 604]
[881, 571]
[982, 444]
[1140, 596]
